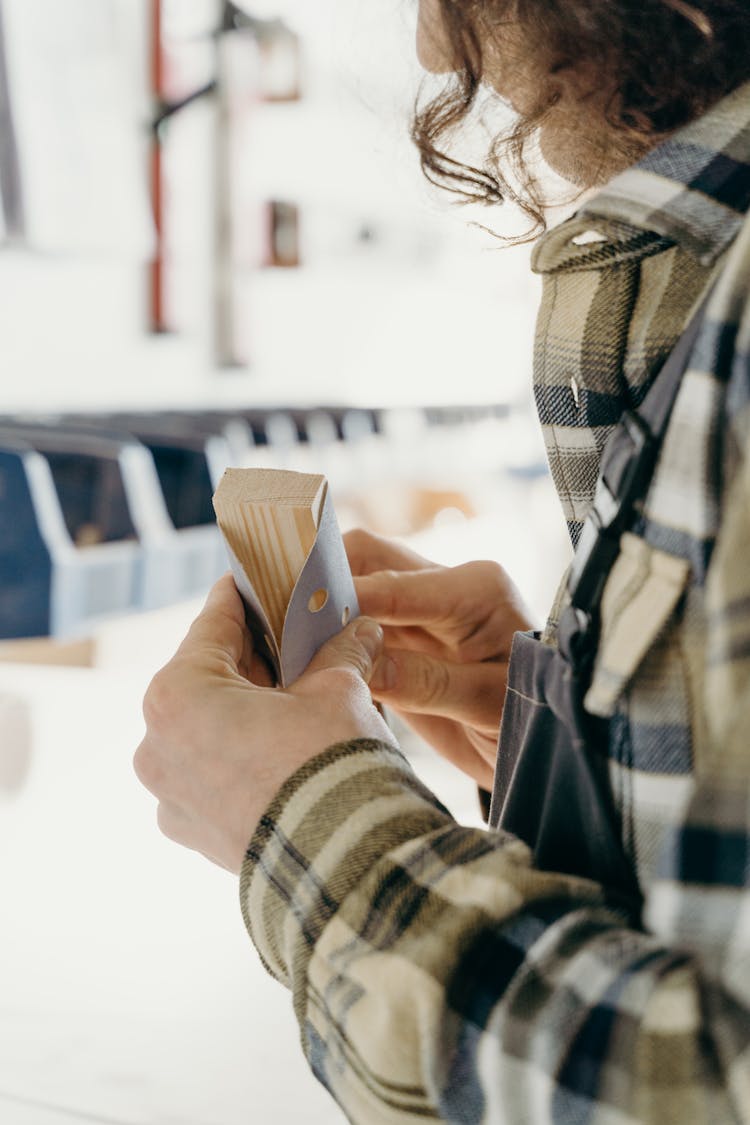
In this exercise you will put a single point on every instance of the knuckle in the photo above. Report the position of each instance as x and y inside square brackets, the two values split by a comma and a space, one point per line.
[357, 538]
[146, 767]
[341, 683]
[167, 823]
[431, 682]
[162, 699]
[485, 574]
[391, 581]
[359, 546]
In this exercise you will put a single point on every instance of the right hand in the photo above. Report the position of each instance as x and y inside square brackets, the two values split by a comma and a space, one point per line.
[448, 632]
[218, 747]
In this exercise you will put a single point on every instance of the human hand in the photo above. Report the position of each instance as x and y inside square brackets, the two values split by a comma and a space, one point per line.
[448, 632]
[218, 747]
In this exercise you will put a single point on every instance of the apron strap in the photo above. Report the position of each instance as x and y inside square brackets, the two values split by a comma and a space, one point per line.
[627, 467]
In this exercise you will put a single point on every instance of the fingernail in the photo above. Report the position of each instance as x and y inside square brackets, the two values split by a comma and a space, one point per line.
[384, 675]
[370, 636]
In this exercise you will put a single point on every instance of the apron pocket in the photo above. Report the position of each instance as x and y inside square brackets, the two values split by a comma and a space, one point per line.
[641, 594]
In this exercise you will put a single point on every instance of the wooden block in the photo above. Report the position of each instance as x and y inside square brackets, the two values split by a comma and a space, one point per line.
[270, 518]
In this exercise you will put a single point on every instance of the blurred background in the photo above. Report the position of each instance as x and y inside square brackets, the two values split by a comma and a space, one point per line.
[216, 249]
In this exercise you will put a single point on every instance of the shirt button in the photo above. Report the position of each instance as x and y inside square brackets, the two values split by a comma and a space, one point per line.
[588, 237]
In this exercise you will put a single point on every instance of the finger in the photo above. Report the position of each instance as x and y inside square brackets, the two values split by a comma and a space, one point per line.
[459, 744]
[220, 628]
[368, 552]
[356, 648]
[417, 639]
[468, 693]
[472, 609]
[425, 597]
[452, 743]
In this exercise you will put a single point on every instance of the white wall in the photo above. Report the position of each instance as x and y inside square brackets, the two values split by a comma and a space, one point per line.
[428, 310]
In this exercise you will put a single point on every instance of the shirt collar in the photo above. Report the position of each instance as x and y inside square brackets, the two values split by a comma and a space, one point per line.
[693, 190]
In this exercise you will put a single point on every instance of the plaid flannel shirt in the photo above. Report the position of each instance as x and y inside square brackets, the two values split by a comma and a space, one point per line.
[436, 974]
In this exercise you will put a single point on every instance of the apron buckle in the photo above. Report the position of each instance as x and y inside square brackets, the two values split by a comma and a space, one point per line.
[627, 463]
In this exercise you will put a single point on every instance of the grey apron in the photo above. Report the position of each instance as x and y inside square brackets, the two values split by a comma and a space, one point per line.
[551, 784]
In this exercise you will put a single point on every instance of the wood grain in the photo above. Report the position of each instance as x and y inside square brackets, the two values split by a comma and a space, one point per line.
[269, 518]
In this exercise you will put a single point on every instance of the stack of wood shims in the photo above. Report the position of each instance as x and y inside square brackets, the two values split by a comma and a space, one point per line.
[270, 518]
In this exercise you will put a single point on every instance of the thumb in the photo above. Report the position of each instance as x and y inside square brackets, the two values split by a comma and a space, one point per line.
[356, 648]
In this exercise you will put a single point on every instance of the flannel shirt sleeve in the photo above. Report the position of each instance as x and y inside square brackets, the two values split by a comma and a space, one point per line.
[437, 975]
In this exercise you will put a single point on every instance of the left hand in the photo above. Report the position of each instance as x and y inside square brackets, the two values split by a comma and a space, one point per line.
[218, 747]
[448, 635]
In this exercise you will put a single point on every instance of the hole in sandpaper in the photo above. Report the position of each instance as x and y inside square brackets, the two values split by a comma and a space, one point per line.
[317, 601]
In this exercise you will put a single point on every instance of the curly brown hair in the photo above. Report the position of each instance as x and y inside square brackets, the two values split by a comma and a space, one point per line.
[665, 61]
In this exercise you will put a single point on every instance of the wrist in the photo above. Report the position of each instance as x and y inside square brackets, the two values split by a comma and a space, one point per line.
[329, 823]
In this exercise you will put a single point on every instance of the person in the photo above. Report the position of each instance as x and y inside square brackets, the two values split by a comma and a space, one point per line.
[593, 965]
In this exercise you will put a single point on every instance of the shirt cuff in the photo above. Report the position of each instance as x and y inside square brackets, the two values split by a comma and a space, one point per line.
[330, 822]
